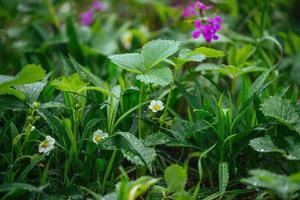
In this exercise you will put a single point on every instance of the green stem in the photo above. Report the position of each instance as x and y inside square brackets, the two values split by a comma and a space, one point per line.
[108, 169]
[233, 85]
[26, 130]
[162, 118]
[222, 154]
[110, 116]
[140, 109]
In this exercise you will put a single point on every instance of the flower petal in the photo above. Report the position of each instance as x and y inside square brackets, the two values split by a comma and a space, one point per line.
[196, 34]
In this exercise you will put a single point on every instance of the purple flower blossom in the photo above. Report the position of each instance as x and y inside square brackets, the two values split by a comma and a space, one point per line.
[86, 18]
[193, 7]
[98, 6]
[189, 11]
[209, 29]
[201, 6]
[199, 29]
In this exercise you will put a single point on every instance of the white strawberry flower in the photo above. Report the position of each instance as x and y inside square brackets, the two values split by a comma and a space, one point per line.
[156, 105]
[126, 39]
[98, 136]
[47, 145]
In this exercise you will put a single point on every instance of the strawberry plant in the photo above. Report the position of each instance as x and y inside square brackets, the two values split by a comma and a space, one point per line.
[131, 99]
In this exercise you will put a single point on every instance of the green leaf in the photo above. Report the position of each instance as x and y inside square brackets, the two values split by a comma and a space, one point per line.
[273, 40]
[147, 154]
[33, 162]
[207, 67]
[135, 189]
[4, 78]
[131, 110]
[229, 70]
[152, 54]
[111, 196]
[182, 129]
[293, 147]
[11, 103]
[264, 144]
[158, 50]
[187, 55]
[203, 155]
[8, 187]
[113, 104]
[69, 84]
[160, 138]
[29, 74]
[243, 54]
[176, 178]
[53, 122]
[279, 109]
[183, 195]
[160, 76]
[95, 88]
[208, 52]
[259, 83]
[32, 91]
[85, 74]
[127, 142]
[131, 190]
[12, 91]
[284, 186]
[53, 104]
[130, 61]
[133, 158]
[223, 177]
[73, 44]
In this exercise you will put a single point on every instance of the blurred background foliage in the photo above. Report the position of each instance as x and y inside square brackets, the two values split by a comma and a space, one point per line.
[257, 35]
[46, 31]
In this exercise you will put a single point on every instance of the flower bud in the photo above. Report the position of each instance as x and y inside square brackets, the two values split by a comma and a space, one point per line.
[36, 105]
[30, 118]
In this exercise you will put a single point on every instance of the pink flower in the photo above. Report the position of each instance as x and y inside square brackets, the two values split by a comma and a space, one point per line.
[193, 7]
[189, 11]
[208, 30]
[86, 18]
[201, 6]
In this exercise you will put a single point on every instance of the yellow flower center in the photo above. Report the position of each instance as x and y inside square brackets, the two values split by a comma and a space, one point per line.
[128, 39]
[45, 144]
[156, 107]
[98, 138]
